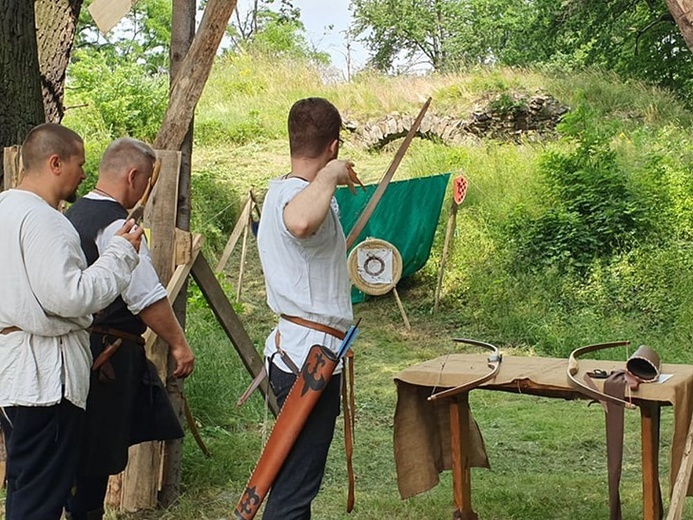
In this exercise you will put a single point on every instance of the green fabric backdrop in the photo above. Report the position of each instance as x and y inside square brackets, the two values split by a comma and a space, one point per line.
[407, 217]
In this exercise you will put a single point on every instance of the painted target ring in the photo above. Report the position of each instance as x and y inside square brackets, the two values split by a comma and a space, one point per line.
[375, 266]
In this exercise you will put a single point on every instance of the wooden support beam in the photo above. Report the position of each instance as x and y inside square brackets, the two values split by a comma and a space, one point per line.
[141, 479]
[235, 235]
[11, 166]
[227, 317]
[193, 73]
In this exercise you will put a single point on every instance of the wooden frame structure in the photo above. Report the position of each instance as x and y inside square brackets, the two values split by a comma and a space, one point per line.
[176, 254]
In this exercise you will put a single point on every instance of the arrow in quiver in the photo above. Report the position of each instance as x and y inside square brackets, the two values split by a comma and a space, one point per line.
[304, 394]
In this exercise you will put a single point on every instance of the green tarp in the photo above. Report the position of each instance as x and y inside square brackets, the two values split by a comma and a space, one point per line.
[407, 217]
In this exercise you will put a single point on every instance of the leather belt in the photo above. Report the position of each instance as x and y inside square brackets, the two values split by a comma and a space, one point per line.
[314, 325]
[116, 333]
[9, 330]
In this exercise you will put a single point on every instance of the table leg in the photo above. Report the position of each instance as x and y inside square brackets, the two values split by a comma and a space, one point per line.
[459, 447]
[649, 427]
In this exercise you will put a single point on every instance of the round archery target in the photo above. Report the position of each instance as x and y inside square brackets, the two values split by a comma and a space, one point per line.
[375, 266]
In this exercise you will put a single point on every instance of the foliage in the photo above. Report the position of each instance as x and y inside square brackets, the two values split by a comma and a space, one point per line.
[128, 100]
[143, 36]
[215, 208]
[274, 33]
[592, 209]
[635, 39]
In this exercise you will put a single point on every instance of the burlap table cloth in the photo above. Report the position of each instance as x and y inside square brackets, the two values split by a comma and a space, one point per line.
[422, 428]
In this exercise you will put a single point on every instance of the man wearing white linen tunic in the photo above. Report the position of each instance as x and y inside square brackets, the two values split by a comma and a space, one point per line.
[48, 296]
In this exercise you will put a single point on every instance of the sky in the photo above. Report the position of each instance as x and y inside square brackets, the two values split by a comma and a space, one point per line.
[318, 16]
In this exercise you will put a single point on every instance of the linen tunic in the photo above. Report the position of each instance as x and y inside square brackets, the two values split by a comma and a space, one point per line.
[304, 277]
[50, 294]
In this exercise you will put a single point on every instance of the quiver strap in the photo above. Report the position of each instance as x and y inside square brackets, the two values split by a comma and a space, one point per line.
[614, 385]
[304, 394]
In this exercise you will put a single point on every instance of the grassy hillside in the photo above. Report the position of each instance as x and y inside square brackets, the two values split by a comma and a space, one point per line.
[584, 237]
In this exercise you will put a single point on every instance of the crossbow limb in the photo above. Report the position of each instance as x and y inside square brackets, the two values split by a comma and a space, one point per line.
[590, 392]
[493, 362]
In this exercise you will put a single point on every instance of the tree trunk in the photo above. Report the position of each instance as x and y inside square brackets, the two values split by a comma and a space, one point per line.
[21, 106]
[682, 11]
[56, 21]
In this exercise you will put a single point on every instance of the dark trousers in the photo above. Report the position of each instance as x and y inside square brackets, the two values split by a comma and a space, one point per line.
[87, 497]
[299, 479]
[42, 448]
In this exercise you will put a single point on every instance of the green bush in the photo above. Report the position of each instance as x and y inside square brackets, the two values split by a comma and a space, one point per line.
[591, 209]
[215, 209]
[129, 100]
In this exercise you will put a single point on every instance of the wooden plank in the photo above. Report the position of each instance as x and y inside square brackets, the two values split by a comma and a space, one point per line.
[192, 74]
[235, 235]
[141, 480]
[230, 322]
[683, 477]
[649, 433]
[183, 247]
[11, 165]
[175, 285]
[107, 13]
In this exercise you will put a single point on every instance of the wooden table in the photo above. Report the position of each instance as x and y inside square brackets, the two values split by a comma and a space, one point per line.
[454, 442]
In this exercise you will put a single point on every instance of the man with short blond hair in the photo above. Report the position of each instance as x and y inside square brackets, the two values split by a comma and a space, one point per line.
[127, 401]
[48, 297]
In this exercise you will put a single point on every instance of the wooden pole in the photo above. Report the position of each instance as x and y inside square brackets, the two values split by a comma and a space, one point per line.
[193, 73]
[244, 250]
[448, 237]
[235, 235]
[401, 308]
[182, 35]
[678, 494]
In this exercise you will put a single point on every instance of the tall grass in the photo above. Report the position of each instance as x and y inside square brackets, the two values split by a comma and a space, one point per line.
[543, 466]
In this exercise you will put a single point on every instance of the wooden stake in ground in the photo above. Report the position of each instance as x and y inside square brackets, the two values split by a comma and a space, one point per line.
[235, 235]
[459, 188]
[678, 494]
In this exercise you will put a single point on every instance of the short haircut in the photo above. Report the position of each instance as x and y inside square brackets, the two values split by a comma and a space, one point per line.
[313, 124]
[48, 139]
[125, 153]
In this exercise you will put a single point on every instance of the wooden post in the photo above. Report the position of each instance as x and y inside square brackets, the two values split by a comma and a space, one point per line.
[683, 477]
[11, 166]
[193, 73]
[141, 479]
[244, 250]
[459, 191]
[235, 235]
[182, 34]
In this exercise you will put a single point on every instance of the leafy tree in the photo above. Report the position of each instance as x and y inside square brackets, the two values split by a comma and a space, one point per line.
[143, 36]
[448, 33]
[278, 32]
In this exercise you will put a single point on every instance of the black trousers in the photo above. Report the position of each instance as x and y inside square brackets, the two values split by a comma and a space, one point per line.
[42, 448]
[299, 479]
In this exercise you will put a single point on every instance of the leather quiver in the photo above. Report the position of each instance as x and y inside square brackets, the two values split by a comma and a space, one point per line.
[304, 394]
